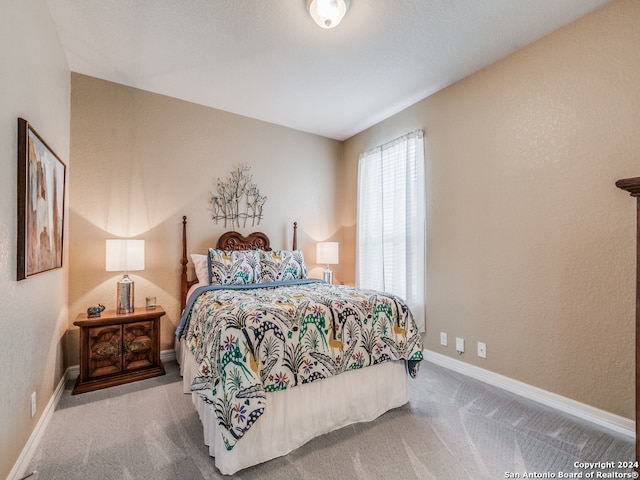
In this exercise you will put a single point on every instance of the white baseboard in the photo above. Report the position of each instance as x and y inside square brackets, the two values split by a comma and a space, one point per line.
[586, 412]
[167, 355]
[71, 373]
[19, 468]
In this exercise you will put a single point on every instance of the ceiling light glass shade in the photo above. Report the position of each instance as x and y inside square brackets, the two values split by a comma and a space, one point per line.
[327, 13]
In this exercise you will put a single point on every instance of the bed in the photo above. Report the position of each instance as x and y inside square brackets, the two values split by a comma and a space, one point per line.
[273, 359]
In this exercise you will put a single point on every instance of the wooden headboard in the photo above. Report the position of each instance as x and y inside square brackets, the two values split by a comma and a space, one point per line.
[227, 241]
[236, 241]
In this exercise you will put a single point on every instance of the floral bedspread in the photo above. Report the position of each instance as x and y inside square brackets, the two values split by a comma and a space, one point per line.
[250, 340]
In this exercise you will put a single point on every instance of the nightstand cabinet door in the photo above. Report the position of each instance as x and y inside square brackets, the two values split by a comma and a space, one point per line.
[104, 350]
[138, 345]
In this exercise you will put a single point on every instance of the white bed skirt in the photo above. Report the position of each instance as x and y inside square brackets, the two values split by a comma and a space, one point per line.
[294, 416]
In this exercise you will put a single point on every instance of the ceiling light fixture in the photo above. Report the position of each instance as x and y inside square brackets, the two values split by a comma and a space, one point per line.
[327, 13]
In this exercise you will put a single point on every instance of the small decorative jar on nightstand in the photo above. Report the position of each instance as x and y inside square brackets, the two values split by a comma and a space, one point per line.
[118, 348]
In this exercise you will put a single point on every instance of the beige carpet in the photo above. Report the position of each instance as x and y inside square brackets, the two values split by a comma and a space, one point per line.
[453, 428]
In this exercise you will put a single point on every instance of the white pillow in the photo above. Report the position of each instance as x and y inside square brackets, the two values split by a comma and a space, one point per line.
[201, 267]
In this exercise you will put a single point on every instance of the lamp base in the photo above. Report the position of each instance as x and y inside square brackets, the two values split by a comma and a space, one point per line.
[125, 295]
[328, 276]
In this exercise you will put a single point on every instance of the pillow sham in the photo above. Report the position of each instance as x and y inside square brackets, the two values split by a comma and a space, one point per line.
[233, 267]
[201, 267]
[280, 265]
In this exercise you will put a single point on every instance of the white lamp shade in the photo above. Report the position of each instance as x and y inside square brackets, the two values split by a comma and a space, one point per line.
[124, 255]
[327, 253]
[327, 13]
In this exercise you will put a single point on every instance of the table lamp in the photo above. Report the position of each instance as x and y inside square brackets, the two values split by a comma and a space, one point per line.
[125, 255]
[327, 254]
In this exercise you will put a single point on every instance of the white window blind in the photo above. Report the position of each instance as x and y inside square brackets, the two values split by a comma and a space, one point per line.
[391, 221]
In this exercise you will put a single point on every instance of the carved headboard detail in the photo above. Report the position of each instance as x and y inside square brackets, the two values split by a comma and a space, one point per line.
[237, 241]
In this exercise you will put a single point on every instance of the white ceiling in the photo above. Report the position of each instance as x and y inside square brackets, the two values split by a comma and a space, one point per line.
[268, 60]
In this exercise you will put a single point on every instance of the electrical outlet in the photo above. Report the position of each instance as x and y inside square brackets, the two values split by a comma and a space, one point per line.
[459, 345]
[482, 350]
[443, 339]
[33, 404]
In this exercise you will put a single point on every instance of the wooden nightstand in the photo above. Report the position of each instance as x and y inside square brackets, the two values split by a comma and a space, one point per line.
[118, 348]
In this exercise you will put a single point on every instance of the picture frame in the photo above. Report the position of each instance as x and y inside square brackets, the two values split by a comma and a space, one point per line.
[41, 192]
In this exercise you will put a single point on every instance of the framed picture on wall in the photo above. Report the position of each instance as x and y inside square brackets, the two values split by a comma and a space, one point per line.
[41, 181]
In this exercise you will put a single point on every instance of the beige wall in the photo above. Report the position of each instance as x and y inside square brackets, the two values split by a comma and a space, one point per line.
[143, 160]
[530, 244]
[35, 85]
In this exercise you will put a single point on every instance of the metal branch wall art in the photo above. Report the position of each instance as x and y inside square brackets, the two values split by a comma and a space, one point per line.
[237, 200]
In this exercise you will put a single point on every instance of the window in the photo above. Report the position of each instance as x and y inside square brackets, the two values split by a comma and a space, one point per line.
[391, 221]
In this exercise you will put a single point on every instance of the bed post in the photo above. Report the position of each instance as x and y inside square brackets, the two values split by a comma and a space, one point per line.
[632, 185]
[183, 262]
[295, 236]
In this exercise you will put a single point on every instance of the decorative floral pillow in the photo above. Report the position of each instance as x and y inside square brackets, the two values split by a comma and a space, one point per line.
[280, 265]
[233, 267]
